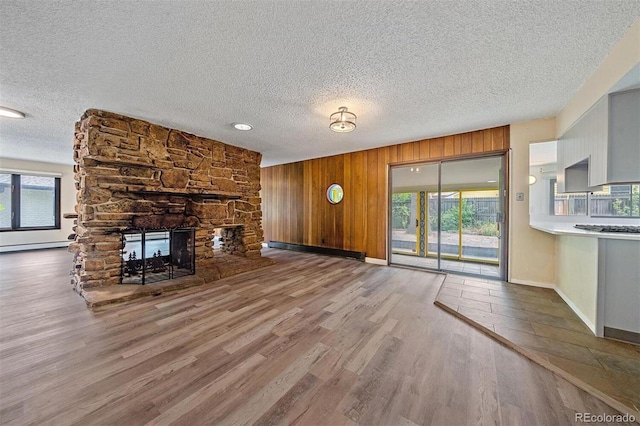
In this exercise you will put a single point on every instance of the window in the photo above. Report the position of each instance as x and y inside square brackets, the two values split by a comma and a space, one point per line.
[616, 201]
[29, 202]
[567, 204]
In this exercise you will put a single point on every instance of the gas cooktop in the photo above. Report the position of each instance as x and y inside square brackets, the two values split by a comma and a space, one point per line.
[629, 229]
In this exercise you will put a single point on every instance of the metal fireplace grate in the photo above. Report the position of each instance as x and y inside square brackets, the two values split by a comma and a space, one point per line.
[149, 256]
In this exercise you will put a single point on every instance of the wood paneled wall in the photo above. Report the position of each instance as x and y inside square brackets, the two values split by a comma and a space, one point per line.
[294, 204]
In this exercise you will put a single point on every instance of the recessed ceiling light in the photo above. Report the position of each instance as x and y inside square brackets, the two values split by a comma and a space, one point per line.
[492, 181]
[10, 113]
[242, 126]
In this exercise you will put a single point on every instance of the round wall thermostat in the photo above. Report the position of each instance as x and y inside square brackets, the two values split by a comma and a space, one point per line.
[335, 193]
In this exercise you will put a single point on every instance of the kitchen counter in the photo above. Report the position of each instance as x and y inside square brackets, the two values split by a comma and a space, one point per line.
[559, 228]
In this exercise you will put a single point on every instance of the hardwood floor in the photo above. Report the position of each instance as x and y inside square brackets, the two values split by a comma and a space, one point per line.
[309, 340]
[539, 324]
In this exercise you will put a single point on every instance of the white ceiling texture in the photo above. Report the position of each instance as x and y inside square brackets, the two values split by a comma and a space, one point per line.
[409, 70]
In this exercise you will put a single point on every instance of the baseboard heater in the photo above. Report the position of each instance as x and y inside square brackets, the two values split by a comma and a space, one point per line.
[358, 255]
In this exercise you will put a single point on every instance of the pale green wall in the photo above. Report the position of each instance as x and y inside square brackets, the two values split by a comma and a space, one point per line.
[577, 275]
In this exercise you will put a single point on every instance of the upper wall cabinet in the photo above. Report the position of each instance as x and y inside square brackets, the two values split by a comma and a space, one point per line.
[603, 146]
[623, 162]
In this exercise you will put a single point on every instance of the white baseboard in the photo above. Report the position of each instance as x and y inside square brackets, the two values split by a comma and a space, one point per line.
[533, 283]
[577, 311]
[375, 261]
[37, 246]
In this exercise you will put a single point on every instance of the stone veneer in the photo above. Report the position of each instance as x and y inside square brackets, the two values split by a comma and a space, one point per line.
[133, 174]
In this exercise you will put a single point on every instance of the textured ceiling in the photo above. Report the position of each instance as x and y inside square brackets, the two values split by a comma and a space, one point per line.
[409, 70]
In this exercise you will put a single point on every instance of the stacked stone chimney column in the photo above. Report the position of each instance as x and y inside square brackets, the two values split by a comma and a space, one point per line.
[132, 174]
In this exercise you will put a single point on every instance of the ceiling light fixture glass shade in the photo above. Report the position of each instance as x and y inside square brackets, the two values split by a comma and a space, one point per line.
[242, 126]
[532, 179]
[343, 121]
[10, 113]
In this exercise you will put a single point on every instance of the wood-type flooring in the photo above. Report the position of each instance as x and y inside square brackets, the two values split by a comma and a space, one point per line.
[539, 324]
[311, 340]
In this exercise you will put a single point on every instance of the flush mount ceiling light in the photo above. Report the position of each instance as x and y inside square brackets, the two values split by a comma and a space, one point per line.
[532, 179]
[10, 113]
[343, 121]
[242, 126]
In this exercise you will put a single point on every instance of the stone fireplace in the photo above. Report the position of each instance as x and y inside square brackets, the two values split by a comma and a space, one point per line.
[132, 175]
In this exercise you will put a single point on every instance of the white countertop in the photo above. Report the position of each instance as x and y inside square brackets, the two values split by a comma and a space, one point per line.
[558, 228]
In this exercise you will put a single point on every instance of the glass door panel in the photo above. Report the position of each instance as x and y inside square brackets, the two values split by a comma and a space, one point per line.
[404, 227]
[410, 222]
[450, 224]
[480, 234]
[433, 200]
[470, 207]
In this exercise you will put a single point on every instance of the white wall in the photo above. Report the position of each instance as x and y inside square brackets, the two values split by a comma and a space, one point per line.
[24, 240]
[622, 58]
[531, 252]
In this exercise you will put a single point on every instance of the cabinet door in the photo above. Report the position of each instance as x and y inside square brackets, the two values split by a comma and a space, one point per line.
[596, 135]
[561, 149]
[624, 137]
[586, 140]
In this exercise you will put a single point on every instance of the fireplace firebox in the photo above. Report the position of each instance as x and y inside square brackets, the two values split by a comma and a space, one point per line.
[149, 256]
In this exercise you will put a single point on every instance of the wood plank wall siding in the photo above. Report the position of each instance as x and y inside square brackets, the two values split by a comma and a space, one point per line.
[295, 209]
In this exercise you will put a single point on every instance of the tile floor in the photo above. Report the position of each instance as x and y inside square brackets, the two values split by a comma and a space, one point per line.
[540, 325]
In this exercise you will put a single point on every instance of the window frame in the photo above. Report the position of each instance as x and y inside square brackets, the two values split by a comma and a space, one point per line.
[15, 205]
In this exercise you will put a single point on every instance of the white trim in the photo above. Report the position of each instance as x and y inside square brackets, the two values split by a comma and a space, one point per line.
[29, 172]
[533, 283]
[375, 261]
[36, 246]
[577, 311]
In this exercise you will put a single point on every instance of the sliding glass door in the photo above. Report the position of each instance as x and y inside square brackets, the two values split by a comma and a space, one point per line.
[449, 216]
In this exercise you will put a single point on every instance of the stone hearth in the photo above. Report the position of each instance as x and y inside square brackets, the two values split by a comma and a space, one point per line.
[131, 174]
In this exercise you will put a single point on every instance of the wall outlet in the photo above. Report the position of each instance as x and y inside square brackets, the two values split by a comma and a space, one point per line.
[520, 196]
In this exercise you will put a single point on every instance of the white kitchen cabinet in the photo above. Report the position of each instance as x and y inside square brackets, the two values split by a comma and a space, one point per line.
[603, 146]
[623, 162]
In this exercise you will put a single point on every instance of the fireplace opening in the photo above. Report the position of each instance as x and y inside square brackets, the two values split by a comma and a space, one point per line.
[229, 240]
[149, 256]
